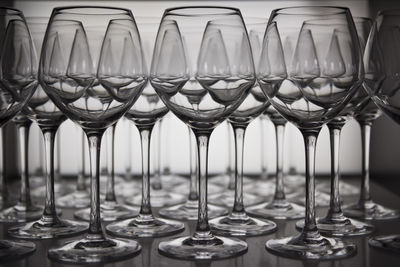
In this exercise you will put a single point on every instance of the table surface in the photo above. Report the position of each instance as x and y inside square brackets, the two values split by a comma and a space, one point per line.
[257, 255]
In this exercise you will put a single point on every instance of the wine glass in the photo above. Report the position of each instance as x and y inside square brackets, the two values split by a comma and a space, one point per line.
[147, 110]
[238, 223]
[366, 113]
[18, 71]
[150, 103]
[310, 87]
[42, 110]
[335, 223]
[381, 62]
[93, 77]
[202, 80]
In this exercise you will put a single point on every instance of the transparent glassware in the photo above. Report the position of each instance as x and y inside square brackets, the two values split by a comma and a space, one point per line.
[381, 63]
[25, 210]
[96, 52]
[147, 110]
[238, 223]
[189, 209]
[80, 198]
[110, 209]
[161, 193]
[228, 180]
[335, 223]
[302, 84]
[48, 117]
[365, 114]
[211, 75]
[17, 85]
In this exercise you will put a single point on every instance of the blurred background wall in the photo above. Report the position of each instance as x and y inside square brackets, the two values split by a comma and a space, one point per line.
[385, 147]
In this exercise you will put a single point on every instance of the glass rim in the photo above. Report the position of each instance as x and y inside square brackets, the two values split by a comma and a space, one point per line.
[7, 11]
[70, 10]
[305, 10]
[175, 11]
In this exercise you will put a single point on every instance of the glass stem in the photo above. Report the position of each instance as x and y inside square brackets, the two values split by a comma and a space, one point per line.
[263, 127]
[145, 208]
[238, 206]
[310, 230]
[49, 213]
[334, 207]
[202, 228]
[193, 194]
[156, 184]
[279, 185]
[80, 184]
[231, 158]
[110, 189]
[4, 191]
[57, 157]
[365, 139]
[95, 231]
[23, 132]
[128, 161]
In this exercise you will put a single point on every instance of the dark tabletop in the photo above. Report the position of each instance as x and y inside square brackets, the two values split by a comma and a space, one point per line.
[257, 255]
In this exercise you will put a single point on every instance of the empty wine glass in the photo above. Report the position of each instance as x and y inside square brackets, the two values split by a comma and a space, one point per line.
[238, 223]
[151, 105]
[144, 114]
[309, 87]
[382, 69]
[202, 80]
[18, 71]
[42, 110]
[366, 113]
[335, 223]
[93, 76]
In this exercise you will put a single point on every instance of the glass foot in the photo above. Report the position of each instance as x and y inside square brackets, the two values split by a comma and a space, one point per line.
[280, 210]
[110, 212]
[241, 225]
[14, 250]
[144, 226]
[211, 188]
[389, 242]
[370, 211]
[128, 188]
[189, 211]
[227, 198]
[77, 199]
[95, 251]
[45, 229]
[294, 181]
[316, 248]
[262, 188]
[321, 199]
[189, 248]
[341, 227]
[21, 213]
[345, 189]
[159, 198]
[172, 180]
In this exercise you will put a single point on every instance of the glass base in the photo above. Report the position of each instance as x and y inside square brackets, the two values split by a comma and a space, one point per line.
[45, 229]
[241, 225]
[211, 188]
[159, 198]
[14, 250]
[110, 212]
[369, 210]
[345, 189]
[21, 213]
[389, 242]
[317, 248]
[280, 210]
[77, 200]
[341, 227]
[128, 189]
[189, 211]
[294, 181]
[95, 251]
[228, 196]
[262, 188]
[60, 189]
[321, 199]
[144, 226]
[171, 180]
[189, 248]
